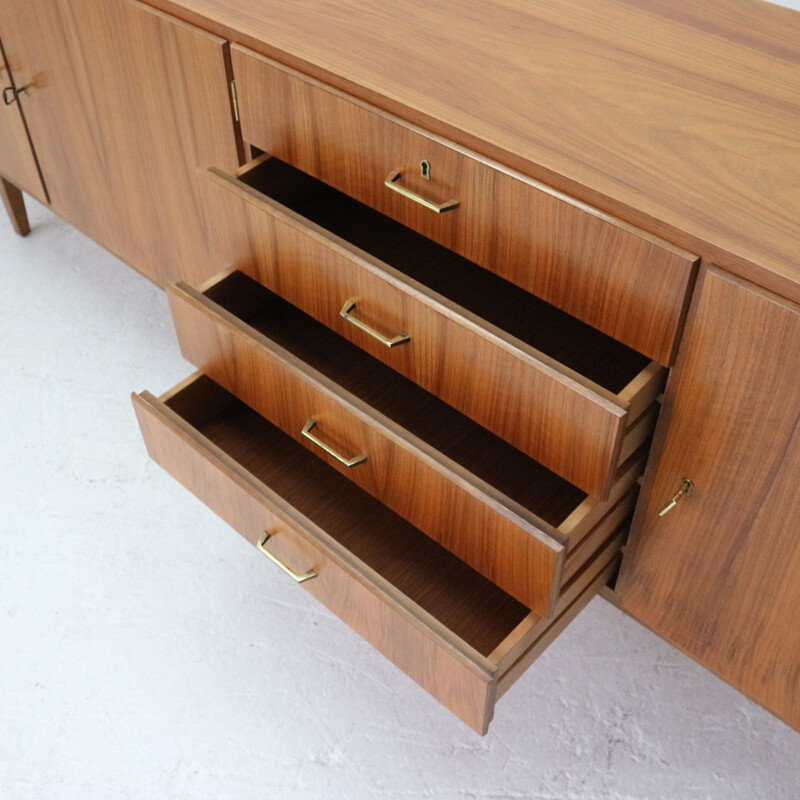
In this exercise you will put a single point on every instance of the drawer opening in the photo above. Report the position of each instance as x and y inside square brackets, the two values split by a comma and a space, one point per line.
[564, 338]
[485, 455]
[468, 604]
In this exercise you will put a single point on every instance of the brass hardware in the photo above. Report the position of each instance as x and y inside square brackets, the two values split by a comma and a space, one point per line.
[439, 208]
[348, 462]
[11, 95]
[235, 101]
[306, 576]
[425, 169]
[349, 307]
[685, 490]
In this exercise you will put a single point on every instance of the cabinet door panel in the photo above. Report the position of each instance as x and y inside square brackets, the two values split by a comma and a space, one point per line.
[719, 574]
[124, 103]
[17, 161]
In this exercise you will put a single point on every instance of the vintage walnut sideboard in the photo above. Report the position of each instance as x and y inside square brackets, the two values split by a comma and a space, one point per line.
[494, 303]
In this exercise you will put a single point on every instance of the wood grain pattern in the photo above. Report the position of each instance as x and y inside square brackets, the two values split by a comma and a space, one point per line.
[679, 117]
[571, 425]
[236, 315]
[124, 103]
[611, 276]
[430, 614]
[507, 544]
[14, 205]
[717, 576]
[17, 159]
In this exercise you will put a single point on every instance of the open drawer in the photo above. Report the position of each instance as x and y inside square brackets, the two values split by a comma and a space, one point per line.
[508, 517]
[557, 389]
[631, 285]
[453, 631]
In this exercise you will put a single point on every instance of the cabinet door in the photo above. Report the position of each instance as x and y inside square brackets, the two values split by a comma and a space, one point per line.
[17, 161]
[124, 104]
[719, 574]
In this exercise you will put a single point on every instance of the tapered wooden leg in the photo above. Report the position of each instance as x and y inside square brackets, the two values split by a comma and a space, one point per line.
[15, 206]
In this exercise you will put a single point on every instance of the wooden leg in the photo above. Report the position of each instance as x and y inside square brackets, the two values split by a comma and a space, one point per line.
[15, 206]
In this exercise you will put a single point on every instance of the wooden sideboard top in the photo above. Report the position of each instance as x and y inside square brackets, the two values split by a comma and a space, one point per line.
[682, 117]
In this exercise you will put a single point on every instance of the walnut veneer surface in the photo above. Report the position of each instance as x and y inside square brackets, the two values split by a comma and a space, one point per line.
[681, 117]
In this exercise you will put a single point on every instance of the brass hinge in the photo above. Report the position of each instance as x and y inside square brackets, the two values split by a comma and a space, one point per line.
[235, 101]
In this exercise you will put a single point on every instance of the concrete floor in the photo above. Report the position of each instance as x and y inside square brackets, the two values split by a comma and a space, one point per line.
[147, 651]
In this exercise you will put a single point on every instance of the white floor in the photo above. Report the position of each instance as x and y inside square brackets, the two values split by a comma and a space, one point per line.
[147, 651]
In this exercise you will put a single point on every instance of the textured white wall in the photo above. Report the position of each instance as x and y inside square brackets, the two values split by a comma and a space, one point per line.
[147, 651]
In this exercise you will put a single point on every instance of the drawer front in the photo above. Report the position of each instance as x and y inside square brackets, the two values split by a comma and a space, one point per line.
[569, 424]
[629, 284]
[521, 554]
[455, 674]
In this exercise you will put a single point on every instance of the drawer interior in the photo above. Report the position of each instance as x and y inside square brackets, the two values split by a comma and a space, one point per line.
[578, 346]
[490, 458]
[471, 606]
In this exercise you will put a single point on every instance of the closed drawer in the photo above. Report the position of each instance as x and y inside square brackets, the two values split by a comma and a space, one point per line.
[502, 513]
[617, 278]
[552, 386]
[455, 633]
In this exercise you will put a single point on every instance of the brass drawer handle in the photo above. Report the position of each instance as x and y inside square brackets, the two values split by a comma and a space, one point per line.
[346, 313]
[348, 462]
[306, 576]
[686, 489]
[439, 208]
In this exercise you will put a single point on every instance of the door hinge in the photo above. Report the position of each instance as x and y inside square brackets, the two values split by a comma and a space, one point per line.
[234, 101]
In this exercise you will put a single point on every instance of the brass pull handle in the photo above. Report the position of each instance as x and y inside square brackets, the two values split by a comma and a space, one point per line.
[11, 95]
[439, 208]
[348, 462]
[306, 576]
[686, 489]
[346, 313]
